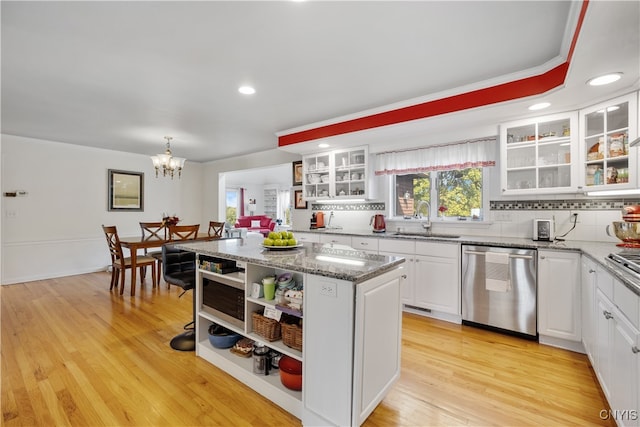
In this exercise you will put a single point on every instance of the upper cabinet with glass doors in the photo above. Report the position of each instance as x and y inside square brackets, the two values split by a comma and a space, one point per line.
[606, 130]
[340, 174]
[538, 155]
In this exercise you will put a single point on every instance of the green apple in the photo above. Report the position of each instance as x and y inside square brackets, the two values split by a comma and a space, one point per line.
[283, 235]
[291, 242]
[277, 242]
[267, 242]
[289, 235]
[274, 235]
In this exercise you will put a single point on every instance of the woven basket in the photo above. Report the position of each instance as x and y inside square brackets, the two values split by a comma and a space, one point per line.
[292, 335]
[265, 327]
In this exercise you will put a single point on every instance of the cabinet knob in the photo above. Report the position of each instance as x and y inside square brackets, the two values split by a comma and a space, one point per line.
[404, 276]
[635, 349]
[364, 244]
[607, 315]
[591, 270]
[543, 257]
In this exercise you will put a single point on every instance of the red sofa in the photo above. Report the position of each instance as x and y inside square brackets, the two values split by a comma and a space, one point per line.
[264, 226]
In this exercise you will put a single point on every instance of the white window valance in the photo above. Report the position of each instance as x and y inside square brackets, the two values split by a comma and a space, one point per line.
[457, 155]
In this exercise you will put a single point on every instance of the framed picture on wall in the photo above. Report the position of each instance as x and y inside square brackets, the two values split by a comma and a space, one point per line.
[297, 173]
[126, 190]
[299, 202]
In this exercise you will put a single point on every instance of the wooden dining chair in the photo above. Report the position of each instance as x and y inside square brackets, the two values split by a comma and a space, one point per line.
[216, 229]
[182, 232]
[154, 230]
[120, 263]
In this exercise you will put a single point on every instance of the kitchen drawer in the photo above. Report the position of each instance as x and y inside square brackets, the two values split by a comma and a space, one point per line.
[307, 237]
[627, 301]
[442, 250]
[365, 243]
[335, 239]
[397, 246]
[605, 283]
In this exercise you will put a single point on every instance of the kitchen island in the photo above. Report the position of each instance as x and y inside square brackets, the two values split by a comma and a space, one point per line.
[351, 329]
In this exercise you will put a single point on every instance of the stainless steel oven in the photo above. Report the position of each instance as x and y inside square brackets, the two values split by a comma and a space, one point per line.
[224, 298]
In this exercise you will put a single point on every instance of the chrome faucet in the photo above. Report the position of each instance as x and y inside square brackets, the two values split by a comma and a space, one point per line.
[425, 225]
[421, 203]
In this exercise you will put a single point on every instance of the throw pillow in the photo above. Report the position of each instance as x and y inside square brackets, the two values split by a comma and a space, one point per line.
[255, 224]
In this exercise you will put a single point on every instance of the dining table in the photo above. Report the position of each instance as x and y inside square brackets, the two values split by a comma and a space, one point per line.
[138, 242]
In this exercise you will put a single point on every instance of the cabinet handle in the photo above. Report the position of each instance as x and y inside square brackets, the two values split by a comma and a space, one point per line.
[543, 257]
[364, 244]
[635, 349]
[607, 314]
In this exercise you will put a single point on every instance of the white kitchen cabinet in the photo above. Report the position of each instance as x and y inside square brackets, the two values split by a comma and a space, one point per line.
[405, 249]
[559, 299]
[437, 277]
[340, 174]
[364, 361]
[614, 352]
[335, 239]
[303, 237]
[366, 244]
[432, 273]
[607, 161]
[624, 373]
[618, 360]
[538, 155]
[603, 350]
[589, 280]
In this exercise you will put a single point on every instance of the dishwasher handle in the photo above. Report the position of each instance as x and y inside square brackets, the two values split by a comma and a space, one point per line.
[510, 255]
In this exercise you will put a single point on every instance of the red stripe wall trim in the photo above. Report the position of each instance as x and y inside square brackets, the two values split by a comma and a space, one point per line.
[522, 88]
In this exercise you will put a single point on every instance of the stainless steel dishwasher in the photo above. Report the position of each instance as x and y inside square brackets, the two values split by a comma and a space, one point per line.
[499, 288]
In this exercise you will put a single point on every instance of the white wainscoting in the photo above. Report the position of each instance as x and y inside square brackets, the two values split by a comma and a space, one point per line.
[28, 261]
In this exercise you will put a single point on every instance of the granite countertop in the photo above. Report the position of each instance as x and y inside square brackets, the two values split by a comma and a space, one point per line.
[329, 260]
[597, 251]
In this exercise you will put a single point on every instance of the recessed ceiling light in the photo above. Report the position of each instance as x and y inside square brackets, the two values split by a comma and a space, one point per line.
[604, 80]
[323, 145]
[246, 90]
[539, 106]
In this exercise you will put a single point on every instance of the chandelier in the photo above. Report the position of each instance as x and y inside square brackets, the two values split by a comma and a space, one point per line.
[167, 162]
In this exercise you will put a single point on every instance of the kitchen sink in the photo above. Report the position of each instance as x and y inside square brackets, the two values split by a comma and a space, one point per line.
[426, 235]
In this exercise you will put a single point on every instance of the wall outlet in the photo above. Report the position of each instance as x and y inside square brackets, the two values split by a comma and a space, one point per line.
[571, 219]
[329, 289]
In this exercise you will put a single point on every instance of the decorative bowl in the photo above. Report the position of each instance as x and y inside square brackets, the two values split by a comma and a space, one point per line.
[220, 337]
[290, 372]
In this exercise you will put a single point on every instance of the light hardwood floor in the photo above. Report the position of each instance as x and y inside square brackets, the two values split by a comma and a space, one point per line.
[74, 353]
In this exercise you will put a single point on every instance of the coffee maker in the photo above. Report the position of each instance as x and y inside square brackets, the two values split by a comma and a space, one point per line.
[317, 220]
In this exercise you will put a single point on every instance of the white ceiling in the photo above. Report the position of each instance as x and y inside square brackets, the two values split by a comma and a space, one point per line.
[122, 75]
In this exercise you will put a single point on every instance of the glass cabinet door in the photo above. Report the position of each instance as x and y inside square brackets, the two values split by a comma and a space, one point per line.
[536, 155]
[607, 162]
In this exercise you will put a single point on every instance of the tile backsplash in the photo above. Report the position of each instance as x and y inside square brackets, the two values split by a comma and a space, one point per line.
[504, 219]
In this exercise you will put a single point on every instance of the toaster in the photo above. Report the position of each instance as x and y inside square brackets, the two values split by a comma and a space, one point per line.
[543, 229]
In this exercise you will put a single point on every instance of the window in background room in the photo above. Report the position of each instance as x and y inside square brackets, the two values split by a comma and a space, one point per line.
[458, 194]
[232, 199]
[284, 206]
[411, 189]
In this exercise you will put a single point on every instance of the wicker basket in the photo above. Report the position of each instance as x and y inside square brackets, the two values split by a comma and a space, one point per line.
[292, 335]
[265, 327]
